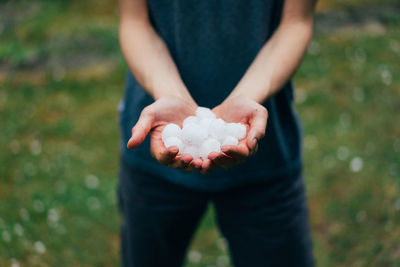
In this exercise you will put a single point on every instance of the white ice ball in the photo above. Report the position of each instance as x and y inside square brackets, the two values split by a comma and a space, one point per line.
[208, 146]
[190, 119]
[202, 113]
[218, 129]
[205, 123]
[236, 130]
[193, 134]
[170, 130]
[191, 150]
[174, 141]
[230, 141]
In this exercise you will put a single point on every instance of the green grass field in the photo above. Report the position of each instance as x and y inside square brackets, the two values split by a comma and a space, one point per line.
[61, 77]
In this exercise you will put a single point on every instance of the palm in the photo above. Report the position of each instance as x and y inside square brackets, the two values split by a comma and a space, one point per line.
[248, 112]
[236, 110]
[153, 119]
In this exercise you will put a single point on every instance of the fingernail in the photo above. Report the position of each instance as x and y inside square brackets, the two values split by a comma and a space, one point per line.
[127, 144]
[174, 150]
[253, 143]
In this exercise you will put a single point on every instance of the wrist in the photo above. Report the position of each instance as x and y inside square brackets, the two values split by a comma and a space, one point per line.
[181, 94]
[257, 95]
[170, 90]
[186, 97]
[258, 90]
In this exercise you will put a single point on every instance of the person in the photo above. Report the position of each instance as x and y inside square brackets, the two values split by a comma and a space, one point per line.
[236, 57]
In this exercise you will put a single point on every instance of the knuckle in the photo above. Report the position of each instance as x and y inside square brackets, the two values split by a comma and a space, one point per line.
[147, 111]
[262, 110]
[162, 158]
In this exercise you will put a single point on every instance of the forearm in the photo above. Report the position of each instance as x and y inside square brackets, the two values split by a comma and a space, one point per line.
[276, 62]
[149, 60]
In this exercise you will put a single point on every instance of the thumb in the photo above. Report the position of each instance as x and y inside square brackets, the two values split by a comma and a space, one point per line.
[257, 128]
[140, 130]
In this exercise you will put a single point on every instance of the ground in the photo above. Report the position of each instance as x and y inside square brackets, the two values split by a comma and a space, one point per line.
[62, 75]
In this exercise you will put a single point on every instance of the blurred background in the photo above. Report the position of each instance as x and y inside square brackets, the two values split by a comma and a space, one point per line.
[62, 75]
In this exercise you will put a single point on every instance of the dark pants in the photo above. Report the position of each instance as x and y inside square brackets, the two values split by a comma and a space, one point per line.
[265, 223]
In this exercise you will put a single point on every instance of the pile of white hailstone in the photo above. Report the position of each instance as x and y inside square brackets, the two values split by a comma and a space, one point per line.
[202, 134]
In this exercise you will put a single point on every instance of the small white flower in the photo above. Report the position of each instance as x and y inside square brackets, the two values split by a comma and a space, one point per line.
[194, 256]
[386, 76]
[6, 236]
[35, 147]
[91, 181]
[53, 216]
[342, 153]
[397, 204]
[356, 164]
[39, 247]
[18, 229]
[222, 261]
[14, 263]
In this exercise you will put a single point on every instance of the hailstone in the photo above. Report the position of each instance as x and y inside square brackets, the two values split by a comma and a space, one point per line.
[230, 141]
[208, 146]
[191, 150]
[202, 134]
[193, 134]
[203, 113]
[174, 141]
[236, 130]
[218, 129]
[190, 119]
[205, 123]
[171, 130]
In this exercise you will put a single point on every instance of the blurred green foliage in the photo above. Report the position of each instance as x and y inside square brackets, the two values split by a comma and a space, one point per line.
[61, 77]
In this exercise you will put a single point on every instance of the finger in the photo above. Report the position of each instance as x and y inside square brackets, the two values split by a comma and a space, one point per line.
[166, 156]
[257, 127]
[181, 162]
[238, 152]
[194, 164]
[253, 151]
[190, 167]
[140, 130]
[221, 160]
[160, 152]
[205, 166]
[197, 163]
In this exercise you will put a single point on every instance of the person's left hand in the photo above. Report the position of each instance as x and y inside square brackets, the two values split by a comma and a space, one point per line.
[254, 116]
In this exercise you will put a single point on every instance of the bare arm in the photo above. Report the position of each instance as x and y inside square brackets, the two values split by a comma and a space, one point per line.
[146, 53]
[273, 66]
[151, 63]
[281, 55]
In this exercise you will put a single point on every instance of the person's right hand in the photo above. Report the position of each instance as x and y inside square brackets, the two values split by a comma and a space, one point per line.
[153, 119]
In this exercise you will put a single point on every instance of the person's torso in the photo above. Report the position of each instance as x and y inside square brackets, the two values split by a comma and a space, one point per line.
[213, 43]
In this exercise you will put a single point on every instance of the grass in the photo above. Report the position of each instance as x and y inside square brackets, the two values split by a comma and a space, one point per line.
[61, 77]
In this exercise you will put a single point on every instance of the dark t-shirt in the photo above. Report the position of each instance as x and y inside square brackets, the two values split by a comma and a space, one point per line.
[213, 43]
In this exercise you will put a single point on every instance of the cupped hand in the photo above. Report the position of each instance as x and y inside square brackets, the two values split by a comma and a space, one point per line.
[153, 119]
[254, 116]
